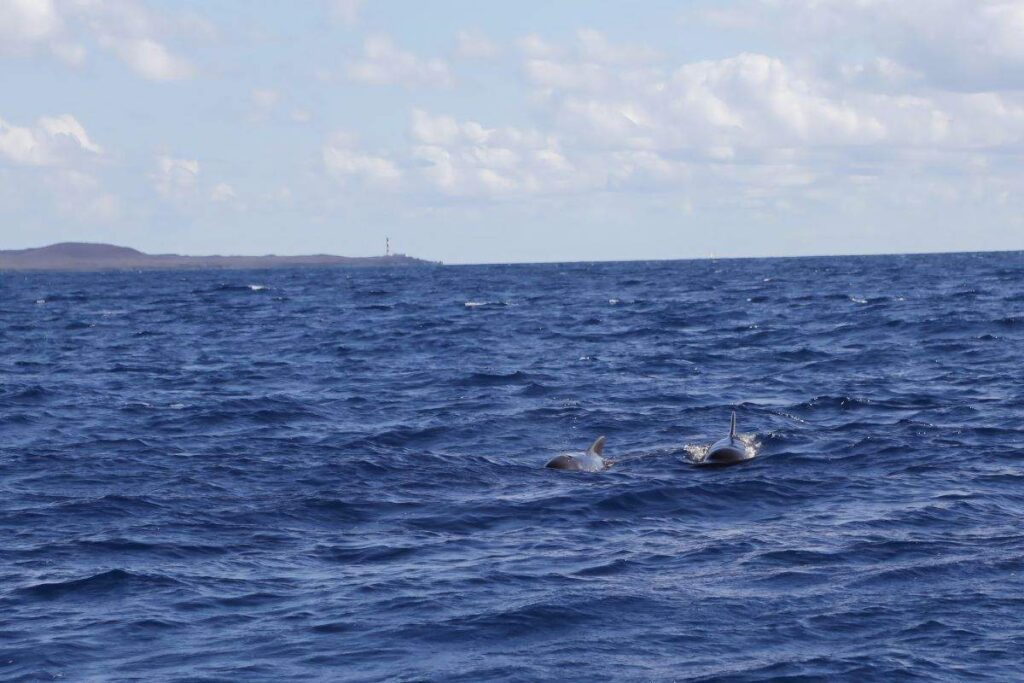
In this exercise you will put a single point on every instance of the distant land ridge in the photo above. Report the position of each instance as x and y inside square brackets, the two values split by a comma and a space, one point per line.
[85, 256]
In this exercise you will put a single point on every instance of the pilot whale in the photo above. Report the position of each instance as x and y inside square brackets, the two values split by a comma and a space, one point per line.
[591, 461]
[727, 451]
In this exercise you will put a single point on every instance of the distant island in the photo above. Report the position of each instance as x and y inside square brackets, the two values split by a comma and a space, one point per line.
[82, 256]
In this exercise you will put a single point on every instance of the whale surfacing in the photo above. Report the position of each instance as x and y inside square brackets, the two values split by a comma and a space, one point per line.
[591, 461]
[728, 451]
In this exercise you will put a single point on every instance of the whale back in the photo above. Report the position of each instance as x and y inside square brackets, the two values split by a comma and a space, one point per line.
[563, 462]
[591, 461]
[729, 450]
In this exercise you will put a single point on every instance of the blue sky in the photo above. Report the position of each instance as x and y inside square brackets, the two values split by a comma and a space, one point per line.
[526, 131]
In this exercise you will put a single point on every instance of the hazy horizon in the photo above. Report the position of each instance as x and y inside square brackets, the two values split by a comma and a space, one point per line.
[523, 133]
[713, 257]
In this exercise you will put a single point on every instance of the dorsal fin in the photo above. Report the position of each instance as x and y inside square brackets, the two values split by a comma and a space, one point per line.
[732, 427]
[597, 448]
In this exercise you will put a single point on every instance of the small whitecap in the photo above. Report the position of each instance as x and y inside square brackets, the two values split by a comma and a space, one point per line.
[695, 452]
[176, 406]
[858, 300]
[613, 301]
[136, 404]
[257, 288]
[751, 442]
[475, 304]
[40, 301]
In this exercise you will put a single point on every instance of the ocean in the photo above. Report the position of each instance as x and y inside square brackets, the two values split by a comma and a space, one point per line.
[338, 474]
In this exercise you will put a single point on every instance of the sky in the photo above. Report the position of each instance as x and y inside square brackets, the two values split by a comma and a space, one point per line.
[504, 131]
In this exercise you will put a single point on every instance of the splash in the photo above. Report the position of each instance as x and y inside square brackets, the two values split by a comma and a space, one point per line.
[696, 452]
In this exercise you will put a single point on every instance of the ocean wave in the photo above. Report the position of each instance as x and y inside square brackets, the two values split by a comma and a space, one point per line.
[487, 304]
[99, 585]
[228, 483]
[482, 379]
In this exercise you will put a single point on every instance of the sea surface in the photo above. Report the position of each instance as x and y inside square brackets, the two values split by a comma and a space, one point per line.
[338, 474]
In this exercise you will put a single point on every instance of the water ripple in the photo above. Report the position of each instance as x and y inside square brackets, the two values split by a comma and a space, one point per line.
[338, 474]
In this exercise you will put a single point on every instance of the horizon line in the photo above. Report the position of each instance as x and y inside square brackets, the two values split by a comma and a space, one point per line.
[710, 257]
[745, 257]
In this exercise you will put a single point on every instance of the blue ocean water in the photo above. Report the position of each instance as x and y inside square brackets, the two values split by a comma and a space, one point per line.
[337, 474]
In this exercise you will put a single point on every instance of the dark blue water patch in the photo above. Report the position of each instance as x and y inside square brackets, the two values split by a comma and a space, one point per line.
[335, 474]
[479, 379]
[98, 586]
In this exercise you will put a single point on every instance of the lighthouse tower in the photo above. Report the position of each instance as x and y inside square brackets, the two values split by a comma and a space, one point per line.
[387, 246]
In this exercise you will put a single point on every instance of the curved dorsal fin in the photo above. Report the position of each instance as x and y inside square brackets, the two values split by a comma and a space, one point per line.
[597, 448]
[732, 427]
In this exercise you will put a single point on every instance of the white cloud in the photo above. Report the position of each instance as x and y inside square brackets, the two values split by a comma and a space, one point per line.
[589, 46]
[180, 180]
[752, 127]
[66, 125]
[474, 44]
[72, 54]
[558, 74]
[52, 141]
[532, 45]
[27, 22]
[752, 131]
[346, 162]
[150, 59]
[592, 45]
[960, 44]
[27, 26]
[222, 192]
[175, 178]
[347, 11]
[754, 101]
[137, 36]
[382, 63]
[755, 133]
[129, 30]
[879, 73]
[62, 151]
[468, 160]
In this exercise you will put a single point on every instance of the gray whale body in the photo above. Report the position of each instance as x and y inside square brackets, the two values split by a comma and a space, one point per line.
[727, 451]
[591, 461]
